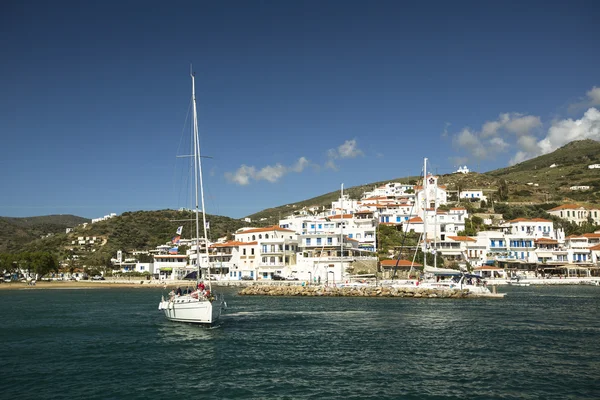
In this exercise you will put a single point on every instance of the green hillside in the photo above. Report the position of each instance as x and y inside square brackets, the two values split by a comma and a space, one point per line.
[530, 182]
[15, 233]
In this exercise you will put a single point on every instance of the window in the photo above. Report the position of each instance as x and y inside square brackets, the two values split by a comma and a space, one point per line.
[253, 237]
[308, 241]
[318, 241]
[264, 248]
[244, 252]
[329, 240]
[266, 235]
[260, 236]
[320, 226]
[252, 251]
[350, 235]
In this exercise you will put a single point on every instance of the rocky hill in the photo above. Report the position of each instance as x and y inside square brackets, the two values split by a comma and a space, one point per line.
[15, 233]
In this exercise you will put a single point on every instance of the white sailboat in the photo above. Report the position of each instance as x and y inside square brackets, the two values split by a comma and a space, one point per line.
[201, 306]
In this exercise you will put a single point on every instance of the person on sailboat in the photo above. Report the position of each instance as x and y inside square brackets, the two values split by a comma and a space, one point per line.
[201, 286]
[178, 292]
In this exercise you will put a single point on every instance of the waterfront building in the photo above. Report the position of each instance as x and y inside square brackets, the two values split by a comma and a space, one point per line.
[261, 253]
[172, 266]
[576, 213]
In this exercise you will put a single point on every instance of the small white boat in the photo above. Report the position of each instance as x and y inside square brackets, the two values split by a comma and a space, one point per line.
[201, 306]
[193, 308]
[516, 281]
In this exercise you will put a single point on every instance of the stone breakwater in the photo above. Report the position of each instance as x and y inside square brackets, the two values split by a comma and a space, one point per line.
[374, 291]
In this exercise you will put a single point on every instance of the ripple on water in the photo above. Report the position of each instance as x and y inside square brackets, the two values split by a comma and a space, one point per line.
[539, 343]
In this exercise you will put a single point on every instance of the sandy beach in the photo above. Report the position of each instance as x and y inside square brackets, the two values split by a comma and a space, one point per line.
[92, 284]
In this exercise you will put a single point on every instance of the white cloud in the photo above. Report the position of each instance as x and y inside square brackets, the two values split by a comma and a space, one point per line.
[470, 141]
[528, 143]
[522, 125]
[491, 128]
[512, 122]
[560, 133]
[242, 176]
[270, 173]
[566, 130]
[348, 149]
[522, 132]
[498, 144]
[300, 165]
[273, 173]
[594, 96]
[519, 157]
[592, 99]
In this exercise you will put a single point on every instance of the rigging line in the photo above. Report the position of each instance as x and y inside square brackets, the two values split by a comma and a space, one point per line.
[405, 233]
[183, 128]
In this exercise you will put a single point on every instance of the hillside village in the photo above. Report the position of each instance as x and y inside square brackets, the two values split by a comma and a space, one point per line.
[337, 242]
[461, 220]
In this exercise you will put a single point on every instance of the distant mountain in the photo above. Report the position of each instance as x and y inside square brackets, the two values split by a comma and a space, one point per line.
[15, 233]
[140, 230]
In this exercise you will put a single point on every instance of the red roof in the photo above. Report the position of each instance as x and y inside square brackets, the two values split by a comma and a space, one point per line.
[341, 216]
[529, 220]
[401, 263]
[546, 241]
[267, 229]
[566, 207]
[462, 238]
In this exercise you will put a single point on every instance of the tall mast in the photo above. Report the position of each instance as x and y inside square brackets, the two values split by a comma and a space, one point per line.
[425, 213]
[198, 174]
[435, 226]
[342, 228]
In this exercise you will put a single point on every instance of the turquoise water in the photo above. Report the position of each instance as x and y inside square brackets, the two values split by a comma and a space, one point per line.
[537, 343]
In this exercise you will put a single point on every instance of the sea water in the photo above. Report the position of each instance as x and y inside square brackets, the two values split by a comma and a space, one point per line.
[537, 343]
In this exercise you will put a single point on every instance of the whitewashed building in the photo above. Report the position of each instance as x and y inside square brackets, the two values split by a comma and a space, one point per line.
[576, 213]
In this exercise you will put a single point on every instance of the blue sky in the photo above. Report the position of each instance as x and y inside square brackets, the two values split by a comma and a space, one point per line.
[294, 98]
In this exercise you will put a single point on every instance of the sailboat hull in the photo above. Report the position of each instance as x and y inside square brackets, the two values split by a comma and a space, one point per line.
[191, 310]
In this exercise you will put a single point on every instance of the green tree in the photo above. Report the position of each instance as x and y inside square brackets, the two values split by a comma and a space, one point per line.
[502, 190]
[42, 263]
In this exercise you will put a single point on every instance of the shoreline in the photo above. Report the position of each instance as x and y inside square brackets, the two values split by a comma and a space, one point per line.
[139, 283]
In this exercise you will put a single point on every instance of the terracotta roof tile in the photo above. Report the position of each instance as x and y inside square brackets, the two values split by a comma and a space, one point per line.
[267, 229]
[462, 238]
[401, 263]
